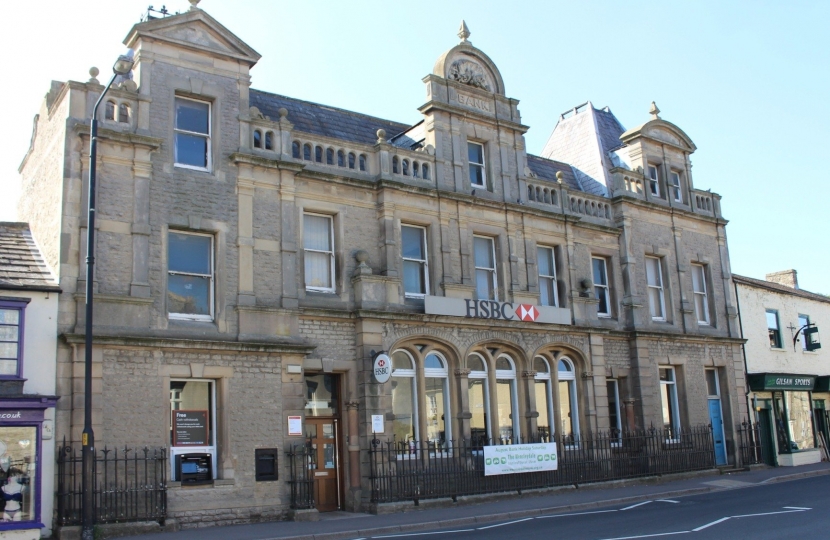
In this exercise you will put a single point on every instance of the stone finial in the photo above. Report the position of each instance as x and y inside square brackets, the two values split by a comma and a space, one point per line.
[194, 4]
[559, 177]
[463, 31]
[381, 133]
[363, 269]
[654, 111]
[283, 112]
[93, 73]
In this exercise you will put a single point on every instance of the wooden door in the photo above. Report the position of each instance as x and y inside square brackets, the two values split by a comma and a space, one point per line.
[322, 434]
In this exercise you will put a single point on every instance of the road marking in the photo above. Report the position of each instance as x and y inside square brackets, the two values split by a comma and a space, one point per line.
[797, 508]
[423, 533]
[634, 506]
[721, 520]
[768, 513]
[502, 524]
[646, 535]
[577, 514]
[668, 501]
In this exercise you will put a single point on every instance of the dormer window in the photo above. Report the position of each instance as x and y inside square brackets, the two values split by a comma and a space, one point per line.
[192, 134]
[475, 155]
[674, 180]
[654, 179]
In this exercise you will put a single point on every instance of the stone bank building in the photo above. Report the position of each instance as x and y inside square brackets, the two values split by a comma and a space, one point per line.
[256, 252]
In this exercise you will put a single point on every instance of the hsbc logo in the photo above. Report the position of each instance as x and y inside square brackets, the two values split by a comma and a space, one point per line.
[527, 312]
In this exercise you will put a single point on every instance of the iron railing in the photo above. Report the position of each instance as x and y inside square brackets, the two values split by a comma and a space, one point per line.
[300, 463]
[423, 470]
[749, 442]
[129, 485]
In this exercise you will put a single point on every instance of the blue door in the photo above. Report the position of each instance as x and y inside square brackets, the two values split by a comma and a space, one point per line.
[717, 431]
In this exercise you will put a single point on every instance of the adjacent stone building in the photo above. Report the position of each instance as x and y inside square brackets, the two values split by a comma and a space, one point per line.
[256, 252]
[788, 370]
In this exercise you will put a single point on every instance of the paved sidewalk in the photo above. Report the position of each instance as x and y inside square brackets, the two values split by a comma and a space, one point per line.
[341, 525]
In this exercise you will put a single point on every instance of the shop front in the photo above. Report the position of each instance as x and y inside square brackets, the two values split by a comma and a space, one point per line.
[784, 405]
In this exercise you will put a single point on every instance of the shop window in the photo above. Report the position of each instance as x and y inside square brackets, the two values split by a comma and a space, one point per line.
[475, 156]
[478, 391]
[544, 398]
[192, 134]
[773, 329]
[614, 416]
[18, 473]
[656, 296]
[404, 406]
[506, 400]
[568, 403]
[193, 430]
[485, 261]
[701, 294]
[793, 421]
[436, 391]
[548, 295]
[190, 276]
[415, 268]
[668, 398]
[11, 338]
[601, 288]
[322, 395]
[318, 246]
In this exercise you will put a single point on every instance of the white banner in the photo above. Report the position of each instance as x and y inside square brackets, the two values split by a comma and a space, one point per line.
[519, 458]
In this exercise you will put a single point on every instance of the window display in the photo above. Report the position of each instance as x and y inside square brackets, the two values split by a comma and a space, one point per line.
[18, 447]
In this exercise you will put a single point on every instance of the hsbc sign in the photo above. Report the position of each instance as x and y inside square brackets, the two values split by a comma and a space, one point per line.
[490, 309]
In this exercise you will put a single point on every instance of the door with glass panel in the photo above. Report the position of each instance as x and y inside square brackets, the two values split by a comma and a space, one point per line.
[322, 432]
[716, 416]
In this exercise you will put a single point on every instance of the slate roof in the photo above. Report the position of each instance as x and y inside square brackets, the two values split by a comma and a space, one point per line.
[546, 169]
[777, 287]
[323, 120]
[21, 264]
[609, 130]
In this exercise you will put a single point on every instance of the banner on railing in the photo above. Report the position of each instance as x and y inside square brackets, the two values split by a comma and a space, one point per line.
[519, 458]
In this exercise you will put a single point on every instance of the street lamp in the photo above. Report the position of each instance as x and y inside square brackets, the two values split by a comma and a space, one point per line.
[122, 67]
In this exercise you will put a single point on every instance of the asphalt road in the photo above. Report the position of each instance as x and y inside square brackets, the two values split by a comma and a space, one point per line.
[797, 509]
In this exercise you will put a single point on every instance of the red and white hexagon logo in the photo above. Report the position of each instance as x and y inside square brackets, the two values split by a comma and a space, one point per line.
[527, 312]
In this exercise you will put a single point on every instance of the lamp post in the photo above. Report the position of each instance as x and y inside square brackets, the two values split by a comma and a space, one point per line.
[122, 66]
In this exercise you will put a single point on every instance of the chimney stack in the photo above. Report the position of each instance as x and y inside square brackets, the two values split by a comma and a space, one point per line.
[788, 278]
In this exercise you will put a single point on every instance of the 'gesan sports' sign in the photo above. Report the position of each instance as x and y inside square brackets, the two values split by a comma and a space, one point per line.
[493, 310]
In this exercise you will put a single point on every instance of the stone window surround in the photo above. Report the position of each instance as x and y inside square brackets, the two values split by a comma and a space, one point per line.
[209, 136]
[609, 258]
[339, 278]
[711, 290]
[199, 90]
[219, 231]
[484, 167]
[433, 240]
[18, 304]
[220, 375]
[425, 262]
[212, 275]
[554, 277]
[668, 286]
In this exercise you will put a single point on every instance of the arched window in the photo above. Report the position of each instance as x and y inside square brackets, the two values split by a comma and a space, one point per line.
[568, 403]
[351, 160]
[124, 113]
[341, 158]
[362, 162]
[544, 398]
[395, 164]
[405, 170]
[478, 391]
[416, 170]
[295, 149]
[329, 156]
[506, 400]
[425, 171]
[269, 140]
[318, 154]
[109, 113]
[257, 138]
[404, 406]
[436, 393]
[307, 152]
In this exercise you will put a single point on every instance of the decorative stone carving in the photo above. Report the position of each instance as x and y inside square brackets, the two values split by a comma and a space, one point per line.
[469, 73]
[362, 269]
[93, 74]
[462, 372]
[530, 374]
[256, 114]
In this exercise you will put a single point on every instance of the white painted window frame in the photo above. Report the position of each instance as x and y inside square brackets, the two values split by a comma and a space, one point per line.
[423, 262]
[702, 294]
[616, 384]
[676, 187]
[482, 165]
[604, 288]
[208, 136]
[675, 416]
[547, 378]
[411, 376]
[211, 276]
[654, 179]
[476, 374]
[493, 270]
[210, 449]
[570, 378]
[550, 278]
[659, 287]
[332, 288]
[510, 375]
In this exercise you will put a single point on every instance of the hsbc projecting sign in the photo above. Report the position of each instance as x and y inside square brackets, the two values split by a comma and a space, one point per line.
[382, 368]
[490, 309]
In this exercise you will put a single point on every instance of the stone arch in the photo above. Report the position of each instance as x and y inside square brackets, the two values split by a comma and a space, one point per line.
[465, 57]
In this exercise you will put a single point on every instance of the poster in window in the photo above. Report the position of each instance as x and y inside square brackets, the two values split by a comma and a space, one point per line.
[190, 428]
[17, 471]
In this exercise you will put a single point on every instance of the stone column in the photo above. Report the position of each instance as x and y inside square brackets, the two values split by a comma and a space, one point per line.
[140, 229]
[630, 423]
[245, 242]
[464, 414]
[353, 445]
[531, 414]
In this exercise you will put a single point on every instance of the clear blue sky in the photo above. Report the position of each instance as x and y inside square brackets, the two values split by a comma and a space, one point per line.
[747, 81]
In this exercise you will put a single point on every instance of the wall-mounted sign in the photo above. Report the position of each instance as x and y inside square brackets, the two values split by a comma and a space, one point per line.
[190, 428]
[295, 426]
[519, 458]
[492, 310]
[382, 368]
[377, 423]
[781, 381]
